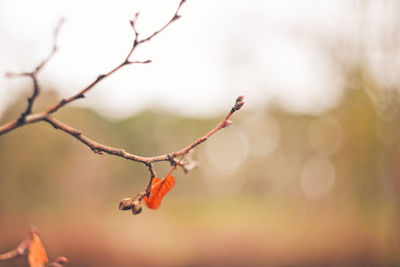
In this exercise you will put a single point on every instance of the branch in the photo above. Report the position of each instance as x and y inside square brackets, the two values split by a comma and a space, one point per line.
[174, 17]
[126, 61]
[24, 245]
[93, 145]
[135, 203]
[21, 248]
[100, 148]
[152, 175]
[32, 75]
[27, 118]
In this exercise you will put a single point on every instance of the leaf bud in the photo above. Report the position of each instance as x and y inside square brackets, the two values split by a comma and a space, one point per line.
[133, 204]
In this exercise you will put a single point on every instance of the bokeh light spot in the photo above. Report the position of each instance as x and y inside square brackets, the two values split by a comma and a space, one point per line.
[227, 150]
[263, 134]
[325, 136]
[317, 177]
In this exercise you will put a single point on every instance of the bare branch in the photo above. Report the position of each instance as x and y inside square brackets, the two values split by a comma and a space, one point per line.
[97, 147]
[22, 120]
[186, 162]
[26, 118]
[125, 62]
[174, 17]
[32, 75]
[133, 24]
[139, 62]
[24, 245]
[12, 125]
[152, 175]
[54, 48]
[31, 99]
[21, 248]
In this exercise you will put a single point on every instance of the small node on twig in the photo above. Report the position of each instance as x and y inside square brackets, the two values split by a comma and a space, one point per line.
[227, 123]
[101, 77]
[80, 96]
[21, 119]
[127, 62]
[97, 151]
[171, 160]
[240, 98]
[132, 22]
[77, 132]
[121, 152]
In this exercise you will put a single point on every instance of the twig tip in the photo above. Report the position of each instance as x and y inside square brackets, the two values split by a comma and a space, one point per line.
[238, 103]
[240, 98]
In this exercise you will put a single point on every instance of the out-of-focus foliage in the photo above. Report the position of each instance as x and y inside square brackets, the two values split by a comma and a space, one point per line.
[275, 188]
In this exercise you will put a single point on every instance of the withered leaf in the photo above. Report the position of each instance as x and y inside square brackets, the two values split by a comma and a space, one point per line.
[37, 254]
[159, 189]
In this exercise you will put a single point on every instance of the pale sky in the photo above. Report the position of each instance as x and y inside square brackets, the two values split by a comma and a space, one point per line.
[266, 50]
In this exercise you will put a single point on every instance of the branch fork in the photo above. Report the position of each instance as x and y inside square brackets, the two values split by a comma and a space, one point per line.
[185, 162]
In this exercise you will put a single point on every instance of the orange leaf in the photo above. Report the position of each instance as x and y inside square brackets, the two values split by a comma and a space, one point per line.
[159, 189]
[37, 254]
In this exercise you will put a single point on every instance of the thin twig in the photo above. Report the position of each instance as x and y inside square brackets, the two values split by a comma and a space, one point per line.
[31, 99]
[33, 76]
[135, 203]
[174, 17]
[26, 119]
[98, 148]
[152, 176]
[126, 61]
[24, 245]
[46, 115]
[21, 248]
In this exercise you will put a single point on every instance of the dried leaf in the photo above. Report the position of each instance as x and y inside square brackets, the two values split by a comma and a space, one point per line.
[37, 254]
[159, 189]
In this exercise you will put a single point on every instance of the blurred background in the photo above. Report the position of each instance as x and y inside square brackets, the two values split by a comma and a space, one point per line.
[306, 176]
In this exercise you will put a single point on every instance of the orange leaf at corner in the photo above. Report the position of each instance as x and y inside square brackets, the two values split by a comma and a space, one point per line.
[159, 189]
[37, 254]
